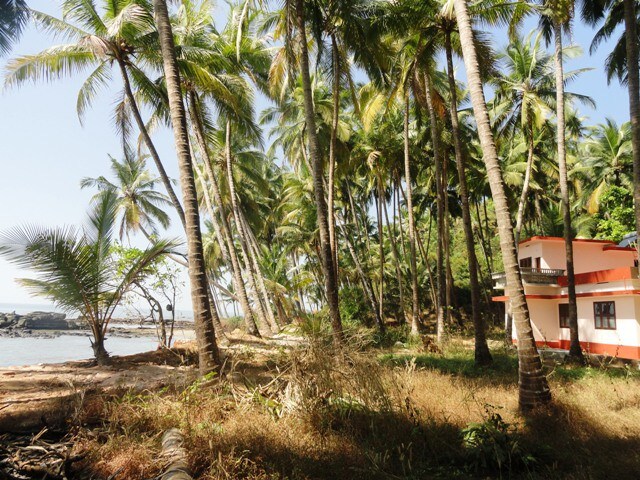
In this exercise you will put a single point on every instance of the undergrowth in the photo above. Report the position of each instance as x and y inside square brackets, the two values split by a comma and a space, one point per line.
[313, 412]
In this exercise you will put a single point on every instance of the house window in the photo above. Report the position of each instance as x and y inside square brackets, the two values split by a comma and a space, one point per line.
[525, 262]
[604, 314]
[563, 315]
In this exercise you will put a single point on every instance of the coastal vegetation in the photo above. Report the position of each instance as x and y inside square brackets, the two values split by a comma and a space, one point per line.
[351, 195]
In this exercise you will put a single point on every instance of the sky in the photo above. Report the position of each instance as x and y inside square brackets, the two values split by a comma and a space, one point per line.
[45, 151]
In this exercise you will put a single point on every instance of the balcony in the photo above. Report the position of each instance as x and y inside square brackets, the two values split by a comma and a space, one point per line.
[537, 276]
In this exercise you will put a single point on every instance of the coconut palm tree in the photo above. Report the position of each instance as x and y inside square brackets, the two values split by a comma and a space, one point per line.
[140, 205]
[447, 24]
[115, 34]
[623, 62]
[13, 18]
[533, 386]
[558, 16]
[208, 354]
[607, 159]
[76, 268]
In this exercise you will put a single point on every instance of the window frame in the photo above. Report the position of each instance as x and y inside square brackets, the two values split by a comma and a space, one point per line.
[595, 317]
[560, 317]
[526, 262]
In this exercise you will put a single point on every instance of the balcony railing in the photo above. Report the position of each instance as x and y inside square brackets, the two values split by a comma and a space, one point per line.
[540, 276]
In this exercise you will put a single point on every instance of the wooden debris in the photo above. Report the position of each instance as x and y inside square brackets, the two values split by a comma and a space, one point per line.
[25, 457]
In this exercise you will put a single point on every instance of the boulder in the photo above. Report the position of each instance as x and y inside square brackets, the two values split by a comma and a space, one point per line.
[45, 321]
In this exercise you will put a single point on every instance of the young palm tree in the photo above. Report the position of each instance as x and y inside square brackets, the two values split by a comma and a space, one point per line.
[139, 203]
[208, 354]
[533, 386]
[76, 268]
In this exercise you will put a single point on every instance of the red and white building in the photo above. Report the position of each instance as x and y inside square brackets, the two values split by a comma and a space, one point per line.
[607, 290]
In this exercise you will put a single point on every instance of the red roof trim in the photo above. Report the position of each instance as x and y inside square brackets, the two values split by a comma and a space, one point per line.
[560, 239]
[600, 276]
[611, 293]
[616, 248]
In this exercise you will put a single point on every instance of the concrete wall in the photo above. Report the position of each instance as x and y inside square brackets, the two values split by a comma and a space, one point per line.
[588, 256]
[546, 323]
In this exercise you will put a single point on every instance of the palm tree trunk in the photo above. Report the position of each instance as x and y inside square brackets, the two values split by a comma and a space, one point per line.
[263, 323]
[633, 83]
[446, 237]
[525, 187]
[366, 284]
[331, 286]
[253, 257]
[415, 312]
[380, 252]
[332, 153]
[482, 354]
[575, 351]
[227, 241]
[208, 355]
[424, 252]
[533, 386]
[396, 261]
[149, 143]
[97, 344]
[440, 270]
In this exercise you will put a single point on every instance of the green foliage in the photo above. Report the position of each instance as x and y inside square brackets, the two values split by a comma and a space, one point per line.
[354, 309]
[616, 216]
[494, 446]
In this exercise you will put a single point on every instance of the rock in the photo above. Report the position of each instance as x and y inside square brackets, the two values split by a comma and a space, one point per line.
[45, 321]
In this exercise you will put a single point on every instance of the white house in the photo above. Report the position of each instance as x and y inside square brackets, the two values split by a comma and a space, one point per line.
[607, 290]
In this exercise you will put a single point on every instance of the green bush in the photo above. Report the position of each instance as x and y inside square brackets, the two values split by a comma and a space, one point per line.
[354, 309]
[494, 446]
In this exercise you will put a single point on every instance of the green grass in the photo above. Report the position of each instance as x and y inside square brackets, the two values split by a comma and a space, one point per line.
[458, 361]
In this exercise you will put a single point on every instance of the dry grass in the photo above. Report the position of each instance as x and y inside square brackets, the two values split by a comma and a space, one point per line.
[313, 414]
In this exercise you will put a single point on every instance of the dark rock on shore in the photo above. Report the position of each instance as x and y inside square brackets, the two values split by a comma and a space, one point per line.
[36, 321]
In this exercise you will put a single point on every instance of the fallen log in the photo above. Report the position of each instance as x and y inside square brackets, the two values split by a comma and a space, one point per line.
[175, 455]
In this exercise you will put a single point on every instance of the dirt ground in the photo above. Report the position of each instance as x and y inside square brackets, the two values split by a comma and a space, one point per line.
[37, 396]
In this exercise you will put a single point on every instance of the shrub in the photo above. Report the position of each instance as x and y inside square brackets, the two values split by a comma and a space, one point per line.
[494, 446]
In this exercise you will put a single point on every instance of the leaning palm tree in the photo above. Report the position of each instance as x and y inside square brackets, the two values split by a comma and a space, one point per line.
[140, 205]
[76, 267]
[533, 386]
[208, 354]
[116, 35]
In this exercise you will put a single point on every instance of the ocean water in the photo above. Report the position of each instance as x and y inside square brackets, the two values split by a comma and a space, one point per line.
[32, 350]
[121, 312]
[35, 350]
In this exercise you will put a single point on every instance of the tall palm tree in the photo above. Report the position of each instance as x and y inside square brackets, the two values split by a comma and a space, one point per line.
[297, 11]
[76, 268]
[207, 79]
[533, 386]
[13, 18]
[482, 354]
[114, 34]
[208, 354]
[140, 205]
[559, 15]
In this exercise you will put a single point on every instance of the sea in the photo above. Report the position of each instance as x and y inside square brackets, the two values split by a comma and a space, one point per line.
[34, 350]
